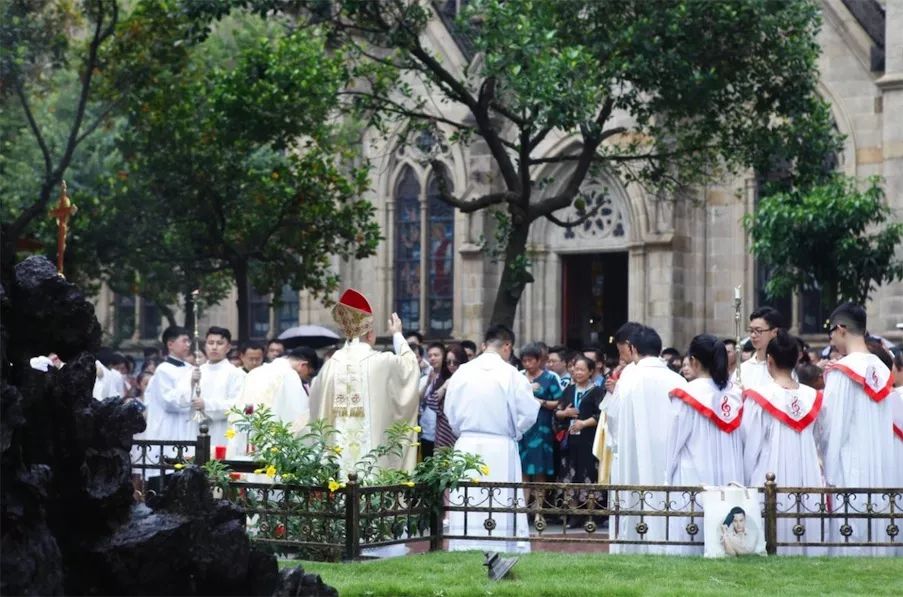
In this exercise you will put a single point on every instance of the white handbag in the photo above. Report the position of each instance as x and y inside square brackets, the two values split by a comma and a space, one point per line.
[732, 521]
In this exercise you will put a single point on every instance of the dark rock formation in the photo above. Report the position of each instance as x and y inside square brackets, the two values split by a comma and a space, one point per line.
[69, 524]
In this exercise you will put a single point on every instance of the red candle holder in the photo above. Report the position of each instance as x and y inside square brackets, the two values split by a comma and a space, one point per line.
[219, 452]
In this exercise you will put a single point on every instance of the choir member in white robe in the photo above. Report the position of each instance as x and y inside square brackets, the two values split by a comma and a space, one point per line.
[703, 448]
[858, 447]
[764, 324]
[897, 408]
[643, 422]
[168, 398]
[108, 382]
[489, 406]
[276, 386]
[362, 392]
[779, 436]
[221, 384]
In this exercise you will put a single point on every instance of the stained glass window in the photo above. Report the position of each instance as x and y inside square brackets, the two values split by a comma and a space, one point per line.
[287, 313]
[441, 230]
[407, 249]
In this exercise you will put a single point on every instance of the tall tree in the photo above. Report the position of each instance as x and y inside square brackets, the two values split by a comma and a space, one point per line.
[39, 41]
[707, 87]
[834, 237]
[233, 153]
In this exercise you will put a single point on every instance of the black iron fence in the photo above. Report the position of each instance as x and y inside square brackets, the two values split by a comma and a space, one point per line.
[351, 521]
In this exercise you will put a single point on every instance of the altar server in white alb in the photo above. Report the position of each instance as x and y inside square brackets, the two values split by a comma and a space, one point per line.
[362, 391]
[859, 439]
[779, 428]
[643, 420]
[897, 406]
[703, 446]
[168, 395]
[764, 324]
[489, 406]
[220, 384]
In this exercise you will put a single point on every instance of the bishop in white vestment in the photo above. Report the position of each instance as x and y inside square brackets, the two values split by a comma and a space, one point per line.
[489, 406]
[362, 392]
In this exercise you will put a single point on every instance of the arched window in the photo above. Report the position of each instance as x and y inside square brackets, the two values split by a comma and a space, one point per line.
[407, 249]
[441, 266]
[424, 247]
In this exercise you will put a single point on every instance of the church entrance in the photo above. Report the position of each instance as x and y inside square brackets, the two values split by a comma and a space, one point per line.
[594, 298]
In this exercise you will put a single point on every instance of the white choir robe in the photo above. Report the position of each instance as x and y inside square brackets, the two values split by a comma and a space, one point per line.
[278, 387]
[642, 423]
[897, 408]
[108, 382]
[753, 373]
[703, 448]
[779, 430]
[489, 406]
[610, 406]
[169, 413]
[221, 386]
[858, 446]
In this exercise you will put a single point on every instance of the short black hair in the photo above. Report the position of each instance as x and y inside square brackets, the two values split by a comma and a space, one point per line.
[173, 332]
[748, 347]
[250, 345]
[668, 352]
[417, 335]
[851, 316]
[808, 374]
[771, 315]
[784, 349]
[646, 341]
[898, 357]
[272, 341]
[590, 363]
[218, 331]
[563, 352]
[438, 345]
[469, 345]
[730, 341]
[532, 350]
[596, 351]
[624, 332]
[499, 333]
[305, 353]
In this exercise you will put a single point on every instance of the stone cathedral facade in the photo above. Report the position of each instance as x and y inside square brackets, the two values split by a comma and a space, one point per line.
[671, 264]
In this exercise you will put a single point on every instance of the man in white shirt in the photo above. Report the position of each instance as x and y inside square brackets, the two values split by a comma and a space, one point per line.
[764, 324]
[489, 406]
[640, 437]
[221, 383]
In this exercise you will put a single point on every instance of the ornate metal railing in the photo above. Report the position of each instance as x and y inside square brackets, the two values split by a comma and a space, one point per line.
[154, 461]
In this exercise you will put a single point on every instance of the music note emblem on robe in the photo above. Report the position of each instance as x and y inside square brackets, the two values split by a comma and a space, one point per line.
[725, 408]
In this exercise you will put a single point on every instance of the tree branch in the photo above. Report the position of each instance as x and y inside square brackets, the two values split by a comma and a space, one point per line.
[473, 204]
[45, 152]
[579, 221]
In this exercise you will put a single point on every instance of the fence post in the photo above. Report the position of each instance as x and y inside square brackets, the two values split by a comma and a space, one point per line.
[202, 451]
[437, 514]
[352, 518]
[771, 515]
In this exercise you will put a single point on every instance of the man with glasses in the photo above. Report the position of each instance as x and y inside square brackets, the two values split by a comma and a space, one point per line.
[858, 436]
[764, 324]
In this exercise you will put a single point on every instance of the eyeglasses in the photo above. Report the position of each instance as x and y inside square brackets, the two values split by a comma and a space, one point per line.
[834, 328]
[757, 331]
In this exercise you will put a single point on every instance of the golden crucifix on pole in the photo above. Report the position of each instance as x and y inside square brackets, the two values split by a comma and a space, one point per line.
[64, 210]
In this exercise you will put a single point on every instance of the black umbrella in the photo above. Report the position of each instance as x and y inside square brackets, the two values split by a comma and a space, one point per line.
[314, 336]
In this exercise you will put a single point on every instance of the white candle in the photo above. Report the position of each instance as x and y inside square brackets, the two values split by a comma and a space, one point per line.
[737, 293]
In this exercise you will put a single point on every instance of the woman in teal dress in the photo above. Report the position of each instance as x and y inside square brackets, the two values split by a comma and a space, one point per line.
[537, 455]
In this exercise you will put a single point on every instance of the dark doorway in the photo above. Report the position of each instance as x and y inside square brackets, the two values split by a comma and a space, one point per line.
[595, 298]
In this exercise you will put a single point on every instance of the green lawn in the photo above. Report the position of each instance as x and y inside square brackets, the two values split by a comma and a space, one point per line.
[451, 574]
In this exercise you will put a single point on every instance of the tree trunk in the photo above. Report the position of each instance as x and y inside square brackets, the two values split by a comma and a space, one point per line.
[189, 307]
[167, 314]
[515, 276]
[240, 270]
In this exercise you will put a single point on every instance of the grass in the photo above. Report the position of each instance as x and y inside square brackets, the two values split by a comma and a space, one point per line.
[580, 575]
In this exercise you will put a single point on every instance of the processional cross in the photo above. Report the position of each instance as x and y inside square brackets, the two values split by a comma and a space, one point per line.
[64, 210]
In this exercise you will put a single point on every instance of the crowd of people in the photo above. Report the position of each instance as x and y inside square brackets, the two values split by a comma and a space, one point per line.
[713, 414]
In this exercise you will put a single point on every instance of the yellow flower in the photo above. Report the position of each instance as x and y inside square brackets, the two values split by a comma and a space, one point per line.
[415, 444]
[288, 477]
[408, 483]
[274, 449]
[259, 471]
[230, 433]
[178, 466]
[474, 480]
[417, 429]
[334, 485]
[271, 471]
[484, 470]
[337, 449]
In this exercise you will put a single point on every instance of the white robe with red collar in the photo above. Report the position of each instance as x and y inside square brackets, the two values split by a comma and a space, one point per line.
[779, 432]
[703, 446]
[858, 447]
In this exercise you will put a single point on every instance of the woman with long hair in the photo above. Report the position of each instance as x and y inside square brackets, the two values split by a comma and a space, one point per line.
[455, 356]
[704, 447]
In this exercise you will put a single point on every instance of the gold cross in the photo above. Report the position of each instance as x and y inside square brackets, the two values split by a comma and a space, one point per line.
[64, 210]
